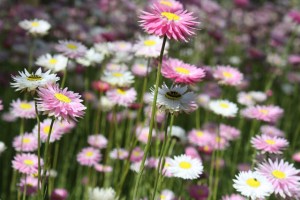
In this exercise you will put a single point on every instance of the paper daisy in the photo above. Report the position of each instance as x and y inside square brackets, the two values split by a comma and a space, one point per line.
[228, 75]
[26, 163]
[142, 134]
[178, 133]
[97, 141]
[268, 113]
[56, 132]
[23, 109]
[271, 131]
[229, 132]
[30, 82]
[181, 72]
[166, 195]
[223, 107]
[120, 154]
[55, 63]
[91, 58]
[35, 26]
[122, 97]
[283, 176]
[168, 4]
[185, 167]
[118, 78]
[71, 49]
[103, 168]
[102, 193]
[136, 155]
[161, 21]
[26, 142]
[149, 47]
[176, 99]
[140, 69]
[60, 103]
[31, 185]
[253, 185]
[88, 156]
[269, 144]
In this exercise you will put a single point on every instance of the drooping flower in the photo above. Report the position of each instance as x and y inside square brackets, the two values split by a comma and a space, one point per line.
[23, 109]
[35, 26]
[71, 49]
[55, 63]
[228, 75]
[178, 133]
[268, 113]
[26, 142]
[149, 47]
[223, 107]
[89, 156]
[26, 163]
[269, 144]
[122, 97]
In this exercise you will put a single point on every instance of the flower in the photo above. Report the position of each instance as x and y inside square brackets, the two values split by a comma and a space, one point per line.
[23, 109]
[56, 131]
[178, 133]
[26, 163]
[1, 105]
[233, 197]
[271, 131]
[229, 132]
[136, 155]
[35, 26]
[102, 168]
[140, 69]
[118, 78]
[199, 191]
[91, 58]
[166, 195]
[185, 167]
[142, 134]
[88, 156]
[31, 185]
[60, 103]
[122, 97]
[119, 153]
[228, 75]
[176, 99]
[283, 176]
[269, 144]
[2, 147]
[200, 138]
[296, 156]
[102, 194]
[223, 107]
[253, 185]
[168, 4]
[97, 141]
[59, 194]
[149, 47]
[30, 82]
[181, 72]
[268, 113]
[55, 63]
[161, 21]
[26, 142]
[71, 49]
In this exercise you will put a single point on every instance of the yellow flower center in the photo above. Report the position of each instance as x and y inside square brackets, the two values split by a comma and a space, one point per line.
[170, 16]
[218, 139]
[25, 106]
[224, 105]
[34, 78]
[264, 111]
[253, 182]
[35, 24]
[136, 153]
[63, 98]
[163, 197]
[173, 95]
[149, 42]
[182, 70]
[72, 46]
[89, 154]
[185, 165]
[278, 174]
[166, 3]
[52, 61]
[206, 148]
[46, 130]
[26, 140]
[28, 162]
[121, 92]
[270, 142]
[199, 133]
[117, 74]
[227, 75]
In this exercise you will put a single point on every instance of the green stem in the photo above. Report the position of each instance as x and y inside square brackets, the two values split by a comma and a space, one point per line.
[64, 77]
[39, 149]
[252, 133]
[25, 188]
[31, 49]
[197, 118]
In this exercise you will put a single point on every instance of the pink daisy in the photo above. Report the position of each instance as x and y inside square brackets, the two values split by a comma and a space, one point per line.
[181, 72]
[120, 154]
[271, 131]
[136, 155]
[283, 176]
[65, 126]
[60, 103]
[228, 75]
[56, 132]
[142, 134]
[89, 156]
[296, 157]
[161, 21]
[192, 152]
[269, 144]
[71, 49]
[102, 168]
[200, 138]
[219, 143]
[229, 132]
[97, 141]
[26, 163]
[23, 109]
[168, 4]
[26, 142]
[233, 197]
[31, 185]
[268, 113]
[59, 194]
[122, 97]
[140, 69]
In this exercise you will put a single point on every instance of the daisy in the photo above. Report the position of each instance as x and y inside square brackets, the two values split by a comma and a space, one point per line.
[271, 131]
[88, 156]
[26, 142]
[181, 72]
[168, 4]
[245, 99]
[200, 138]
[258, 96]
[219, 143]
[55, 63]
[142, 134]
[253, 185]
[119, 153]
[149, 47]
[192, 152]
[176, 99]
[161, 21]
[122, 97]
[71, 49]
[166, 195]
[119, 46]
[98, 141]
[118, 78]
[102, 168]
[30, 82]
[35, 26]
[269, 144]
[60, 103]
[223, 107]
[26, 163]
[140, 69]
[136, 155]
[105, 104]
[228, 75]
[31, 185]
[56, 131]
[283, 176]
[185, 167]
[59, 194]
[268, 113]
[91, 58]
[229, 132]
[233, 197]
[23, 109]
[102, 193]
[116, 67]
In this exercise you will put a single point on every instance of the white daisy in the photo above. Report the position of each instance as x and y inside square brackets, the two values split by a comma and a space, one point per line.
[223, 107]
[118, 78]
[185, 167]
[30, 82]
[102, 48]
[258, 96]
[102, 194]
[105, 104]
[149, 47]
[56, 63]
[253, 185]
[175, 99]
[35, 26]
[166, 195]
[178, 133]
[91, 58]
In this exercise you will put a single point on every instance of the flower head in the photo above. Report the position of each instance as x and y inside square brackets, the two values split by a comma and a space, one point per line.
[55, 63]
[168, 4]
[228, 75]
[71, 49]
[269, 144]
[26, 163]
[56, 131]
[268, 113]
[122, 97]
[118, 78]
[223, 107]
[26, 142]
[23, 109]
[31, 184]
[88, 156]
[149, 47]
[97, 141]
[102, 193]
[120, 154]
[35, 26]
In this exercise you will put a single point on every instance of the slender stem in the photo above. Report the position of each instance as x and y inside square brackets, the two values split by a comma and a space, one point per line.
[25, 188]
[252, 132]
[64, 77]
[39, 149]
[147, 148]
[31, 49]
[197, 118]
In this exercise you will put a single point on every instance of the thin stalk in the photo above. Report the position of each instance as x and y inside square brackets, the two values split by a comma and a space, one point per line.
[39, 148]
[64, 77]
[252, 133]
[25, 188]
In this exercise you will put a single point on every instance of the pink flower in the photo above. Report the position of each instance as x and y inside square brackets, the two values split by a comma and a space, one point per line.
[88, 156]
[192, 152]
[295, 16]
[160, 21]
[23, 109]
[102, 168]
[120, 154]
[31, 185]
[71, 49]
[181, 72]
[199, 192]
[228, 75]
[200, 138]
[97, 141]
[296, 157]
[140, 69]
[1, 105]
[136, 155]
[268, 113]
[142, 134]
[168, 4]
[294, 59]
[229, 132]
[269, 144]
[60, 103]
[56, 132]
[283, 176]
[59, 194]
[26, 163]
[233, 197]
[26, 142]
[122, 97]
[271, 131]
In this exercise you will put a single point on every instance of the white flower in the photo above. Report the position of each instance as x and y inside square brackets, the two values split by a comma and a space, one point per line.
[166, 195]
[35, 26]
[223, 107]
[91, 58]
[185, 167]
[258, 96]
[178, 133]
[2, 147]
[118, 78]
[102, 48]
[105, 104]
[102, 194]
[30, 82]
[245, 98]
[55, 63]
[149, 47]
[253, 185]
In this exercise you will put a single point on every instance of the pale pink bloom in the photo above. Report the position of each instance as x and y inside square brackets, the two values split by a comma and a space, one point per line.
[140, 69]
[120, 46]
[200, 138]
[89, 156]
[181, 72]
[102, 168]
[283, 176]
[71, 49]
[168, 4]
[31, 185]
[233, 197]
[120, 154]
[192, 152]
[60, 103]
[219, 143]
[122, 97]
[294, 15]
[166, 195]
[98, 141]
[229, 132]
[294, 59]
[159, 116]
[26, 142]
[228, 75]
[166, 170]
[8, 117]
[1, 105]
[59, 194]
[149, 47]
[152, 162]
[23, 109]
[203, 100]
[115, 67]
[271, 131]
[137, 154]
[56, 132]
[65, 126]
[269, 144]
[296, 157]
[26, 163]
[268, 113]
[178, 25]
